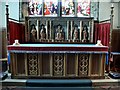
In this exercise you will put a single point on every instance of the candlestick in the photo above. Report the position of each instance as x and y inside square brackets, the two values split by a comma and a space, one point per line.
[7, 20]
[111, 28]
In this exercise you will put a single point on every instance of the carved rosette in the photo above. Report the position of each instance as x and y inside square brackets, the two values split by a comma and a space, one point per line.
[32, 64]
[83, 64]
[58, 65]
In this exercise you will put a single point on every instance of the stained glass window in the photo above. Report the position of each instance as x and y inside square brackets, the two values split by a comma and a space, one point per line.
[68, 7]
[23, 10]
[83, 8]
[77, 8]
[51, 7]
[35, 7]
[94, 10]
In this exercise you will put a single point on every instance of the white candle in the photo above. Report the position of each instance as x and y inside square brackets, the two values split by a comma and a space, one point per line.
[6, 2]
[112, 5]
[16, 41]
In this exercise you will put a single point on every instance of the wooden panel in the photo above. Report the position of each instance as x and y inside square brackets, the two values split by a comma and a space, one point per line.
[45, 64]
[4, 43]
[102, 66]
[70, 64]
[95, 64]
[116, 63]
[39, 64]
[115, 42]
[14, 64]
[20, 64]
[115, 47]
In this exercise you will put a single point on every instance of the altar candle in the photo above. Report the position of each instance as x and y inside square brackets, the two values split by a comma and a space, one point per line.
[6, 2]
[16, 41]
[112, 5]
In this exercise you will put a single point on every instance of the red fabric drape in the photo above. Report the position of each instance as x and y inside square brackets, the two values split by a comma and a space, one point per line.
[102, 32]
[16, 31]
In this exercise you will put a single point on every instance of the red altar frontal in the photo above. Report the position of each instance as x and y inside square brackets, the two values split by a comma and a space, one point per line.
[57, 60]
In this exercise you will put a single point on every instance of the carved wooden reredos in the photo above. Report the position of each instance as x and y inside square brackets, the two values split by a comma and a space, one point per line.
[59, 29]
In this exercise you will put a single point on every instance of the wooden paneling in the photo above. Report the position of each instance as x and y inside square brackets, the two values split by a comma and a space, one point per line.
[115, 47]
[20, 64]
[58, 65]
[115, 42]
[95, 64]
[45, 64]
[70, 64]
[4, 43]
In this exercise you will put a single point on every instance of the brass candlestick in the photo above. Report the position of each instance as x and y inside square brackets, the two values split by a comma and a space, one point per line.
[7, 24]
[111, 29]
[111, 26]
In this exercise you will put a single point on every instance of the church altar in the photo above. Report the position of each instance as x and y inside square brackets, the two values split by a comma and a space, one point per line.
[57, 60]
[58, 47]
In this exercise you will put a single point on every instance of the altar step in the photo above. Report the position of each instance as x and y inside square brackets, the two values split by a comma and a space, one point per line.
[59, 83]
[74, 83]
[37, 84]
